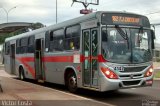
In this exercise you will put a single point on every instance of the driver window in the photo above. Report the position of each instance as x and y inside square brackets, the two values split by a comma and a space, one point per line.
[141, 40]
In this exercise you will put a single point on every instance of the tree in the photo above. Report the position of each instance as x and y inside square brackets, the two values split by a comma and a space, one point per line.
[37, 25]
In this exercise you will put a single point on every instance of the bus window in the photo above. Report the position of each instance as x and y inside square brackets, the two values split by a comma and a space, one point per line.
[72, 39]
[51, 36]
[30, 48]
[22, 45]
[17, 46]
[47, 41]
[56, 40]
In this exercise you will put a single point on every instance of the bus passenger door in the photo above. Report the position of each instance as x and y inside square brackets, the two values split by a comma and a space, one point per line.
[90, 53]
[12, 59]
[39, 67]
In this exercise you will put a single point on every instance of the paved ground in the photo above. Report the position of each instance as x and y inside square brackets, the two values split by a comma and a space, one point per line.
[128, 97]
[38, 94]
[34, 94]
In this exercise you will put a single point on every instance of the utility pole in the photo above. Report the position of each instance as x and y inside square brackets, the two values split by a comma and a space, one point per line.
[7, 11]
[56, 11]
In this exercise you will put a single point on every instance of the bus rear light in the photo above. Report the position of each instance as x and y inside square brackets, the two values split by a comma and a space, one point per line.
[108, 73]
[149, 72]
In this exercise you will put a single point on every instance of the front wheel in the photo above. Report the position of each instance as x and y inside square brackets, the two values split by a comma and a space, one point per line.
[72, 82]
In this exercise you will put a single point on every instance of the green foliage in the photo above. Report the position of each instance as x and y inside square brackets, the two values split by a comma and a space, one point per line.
[37, 26]
[20, 31]
[157, 74]
[3, 37]
[158, 59]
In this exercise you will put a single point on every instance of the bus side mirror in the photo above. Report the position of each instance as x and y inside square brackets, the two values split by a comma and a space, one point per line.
[152, 39]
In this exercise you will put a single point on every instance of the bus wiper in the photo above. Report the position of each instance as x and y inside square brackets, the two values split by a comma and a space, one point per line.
[123, 34]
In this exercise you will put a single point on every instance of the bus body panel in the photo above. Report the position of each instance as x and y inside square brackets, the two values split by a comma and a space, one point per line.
[7, 64]
[55, 70]
[28, 66]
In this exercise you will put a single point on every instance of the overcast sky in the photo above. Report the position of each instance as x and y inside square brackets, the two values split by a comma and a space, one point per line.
[44, 10]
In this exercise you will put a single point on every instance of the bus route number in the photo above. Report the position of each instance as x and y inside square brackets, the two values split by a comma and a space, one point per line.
[118, 68]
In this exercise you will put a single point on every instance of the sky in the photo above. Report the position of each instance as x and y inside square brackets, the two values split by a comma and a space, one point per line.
[44, 11]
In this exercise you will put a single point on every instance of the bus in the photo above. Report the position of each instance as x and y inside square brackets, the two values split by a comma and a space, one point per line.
[100, 51]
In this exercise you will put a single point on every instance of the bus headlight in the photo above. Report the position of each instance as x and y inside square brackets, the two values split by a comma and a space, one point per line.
[108, 73]
[149, 72]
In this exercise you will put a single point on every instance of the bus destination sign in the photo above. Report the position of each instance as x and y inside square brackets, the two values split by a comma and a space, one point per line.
[125, 19]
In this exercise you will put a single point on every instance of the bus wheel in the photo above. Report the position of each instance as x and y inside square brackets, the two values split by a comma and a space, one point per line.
[21, 74]
[72, 82]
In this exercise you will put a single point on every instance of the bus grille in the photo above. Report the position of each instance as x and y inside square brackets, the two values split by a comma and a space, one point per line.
[128, 83]
[134, 69]
[129, 76]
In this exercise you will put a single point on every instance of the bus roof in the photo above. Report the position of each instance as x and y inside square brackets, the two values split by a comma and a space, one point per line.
[67, 23]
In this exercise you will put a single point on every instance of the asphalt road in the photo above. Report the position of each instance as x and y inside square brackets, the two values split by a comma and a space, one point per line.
[53, 94]
[146, 96]
[127, 97]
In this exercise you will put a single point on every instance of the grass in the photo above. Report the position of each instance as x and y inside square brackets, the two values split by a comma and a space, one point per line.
[157, 74]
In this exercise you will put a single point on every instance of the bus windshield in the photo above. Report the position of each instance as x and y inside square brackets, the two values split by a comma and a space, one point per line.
[126, 45]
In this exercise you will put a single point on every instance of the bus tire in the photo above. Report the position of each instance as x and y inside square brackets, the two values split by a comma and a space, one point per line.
[72, 82]
[21, 74]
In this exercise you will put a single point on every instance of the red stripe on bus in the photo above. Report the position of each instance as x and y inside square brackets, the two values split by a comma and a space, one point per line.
[82, 58]
[63, 58]
[24, 61]
[90, 58]
[101, 59]
[31, 70]
[27, 59]
[70, 58]
[57, 59]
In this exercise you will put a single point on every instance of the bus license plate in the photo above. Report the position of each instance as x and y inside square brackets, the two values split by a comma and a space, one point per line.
[118, 68]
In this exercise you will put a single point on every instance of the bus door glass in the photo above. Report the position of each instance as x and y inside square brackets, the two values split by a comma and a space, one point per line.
[38, 59]
[90, 53]
[12, 58]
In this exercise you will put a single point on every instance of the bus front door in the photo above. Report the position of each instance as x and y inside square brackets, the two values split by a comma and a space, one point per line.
[90, 53]
[12, 58]
[38, 59]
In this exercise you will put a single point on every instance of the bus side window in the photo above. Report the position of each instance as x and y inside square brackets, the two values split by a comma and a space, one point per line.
[47, 41]
[56, 40]
[30, 48]
[72, 38]
[24, 44]
[17, 46]
[50, 40]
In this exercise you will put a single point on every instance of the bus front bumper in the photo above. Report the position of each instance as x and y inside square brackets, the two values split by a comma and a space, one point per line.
[115, 84]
